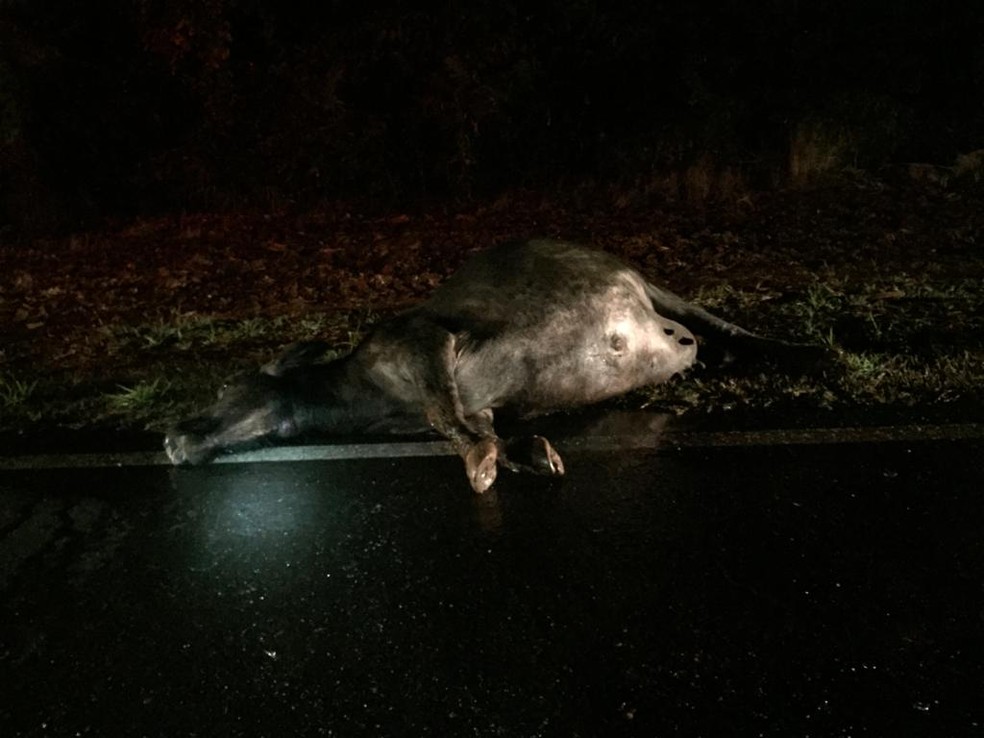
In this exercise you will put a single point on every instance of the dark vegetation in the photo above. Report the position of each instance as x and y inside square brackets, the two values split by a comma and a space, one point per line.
[186, 186]
[144, 106]
[141, 323]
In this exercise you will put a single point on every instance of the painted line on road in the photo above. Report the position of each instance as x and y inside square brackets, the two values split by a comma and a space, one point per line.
[404, 449]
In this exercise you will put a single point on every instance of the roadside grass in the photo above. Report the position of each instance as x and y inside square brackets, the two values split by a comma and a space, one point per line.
[141, 397]
[857, 381]
[184, 332]
[16, 394]
[901, 341]
[893, 379]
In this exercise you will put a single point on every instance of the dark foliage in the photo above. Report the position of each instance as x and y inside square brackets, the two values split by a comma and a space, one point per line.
[144, 105]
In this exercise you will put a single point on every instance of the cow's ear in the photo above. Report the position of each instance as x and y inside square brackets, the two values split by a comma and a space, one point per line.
[297, 354]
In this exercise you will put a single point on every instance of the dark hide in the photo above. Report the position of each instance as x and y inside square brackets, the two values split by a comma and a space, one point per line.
[531, 327]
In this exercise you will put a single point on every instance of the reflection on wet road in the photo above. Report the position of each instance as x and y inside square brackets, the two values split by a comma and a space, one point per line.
[788, 590]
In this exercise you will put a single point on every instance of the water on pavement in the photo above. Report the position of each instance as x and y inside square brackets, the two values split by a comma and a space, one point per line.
[799, 589]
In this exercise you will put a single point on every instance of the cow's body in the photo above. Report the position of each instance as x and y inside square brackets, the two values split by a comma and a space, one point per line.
[534, 327]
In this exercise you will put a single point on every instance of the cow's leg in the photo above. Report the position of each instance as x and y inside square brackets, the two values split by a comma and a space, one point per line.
[523, 454]
[535, 454]
[417, 361]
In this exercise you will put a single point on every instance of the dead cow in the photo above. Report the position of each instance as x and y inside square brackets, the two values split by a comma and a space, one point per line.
[531, 327]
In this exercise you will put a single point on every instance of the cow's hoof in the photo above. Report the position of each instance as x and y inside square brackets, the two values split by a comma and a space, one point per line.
[175, 450]
[480, 464]
[544, 458]
[182, 449]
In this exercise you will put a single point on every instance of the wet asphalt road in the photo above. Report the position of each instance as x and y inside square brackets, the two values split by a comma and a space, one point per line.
[776, 590]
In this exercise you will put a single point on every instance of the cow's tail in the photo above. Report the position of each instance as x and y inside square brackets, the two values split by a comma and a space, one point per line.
[726, 342]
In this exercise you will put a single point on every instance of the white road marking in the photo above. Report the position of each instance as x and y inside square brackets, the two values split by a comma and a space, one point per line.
[668, 439]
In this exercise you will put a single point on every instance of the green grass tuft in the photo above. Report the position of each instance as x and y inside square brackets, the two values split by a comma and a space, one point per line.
[16, 393]
[141, 398]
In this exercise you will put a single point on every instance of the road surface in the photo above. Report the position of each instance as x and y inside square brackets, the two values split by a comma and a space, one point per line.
[687, 587]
